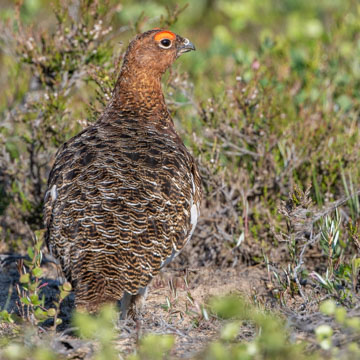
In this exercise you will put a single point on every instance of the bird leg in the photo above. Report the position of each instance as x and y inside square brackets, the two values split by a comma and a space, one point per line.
[131, 305]
[124, 305]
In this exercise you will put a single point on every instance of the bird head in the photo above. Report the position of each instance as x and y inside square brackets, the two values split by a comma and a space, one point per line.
[154, 51]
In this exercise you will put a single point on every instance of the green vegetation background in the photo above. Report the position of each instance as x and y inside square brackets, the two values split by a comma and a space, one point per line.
[272, 91]
[269, 105]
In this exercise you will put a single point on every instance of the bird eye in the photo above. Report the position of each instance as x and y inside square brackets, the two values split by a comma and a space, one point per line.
[165, 43]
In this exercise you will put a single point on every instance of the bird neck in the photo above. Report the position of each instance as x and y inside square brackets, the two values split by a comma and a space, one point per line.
[139, 95]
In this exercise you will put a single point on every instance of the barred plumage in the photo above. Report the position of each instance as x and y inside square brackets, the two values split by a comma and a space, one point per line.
[123, 196]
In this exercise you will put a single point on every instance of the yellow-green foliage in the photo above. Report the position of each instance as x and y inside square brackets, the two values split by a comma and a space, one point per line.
[271, 343]
[99, 328]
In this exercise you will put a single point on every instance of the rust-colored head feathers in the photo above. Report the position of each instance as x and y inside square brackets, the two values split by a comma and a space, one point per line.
[155, 50]
[148, 56]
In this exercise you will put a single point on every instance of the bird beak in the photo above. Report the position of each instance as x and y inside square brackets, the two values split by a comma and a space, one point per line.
[185, 47]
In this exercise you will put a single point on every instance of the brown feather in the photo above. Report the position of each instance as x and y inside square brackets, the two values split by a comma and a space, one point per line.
[122, 192]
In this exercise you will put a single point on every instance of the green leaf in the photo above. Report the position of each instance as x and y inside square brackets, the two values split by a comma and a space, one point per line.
[40, 314]
[35, 300]
[63, 294]
[230, 331]
[87, 325]
[51, 312]
[25, 300]
[356, 263]
[39, 234]
[340, 315]
[13, 150]
[218, 351]
[67, 286]
[353, 323]
[30, 252]
[328, 307]
[28, 263]
[6, 317]
[229, 307]
[155, 346]
[37, 272]
[33, 286]
[323, 332]
[25, 278]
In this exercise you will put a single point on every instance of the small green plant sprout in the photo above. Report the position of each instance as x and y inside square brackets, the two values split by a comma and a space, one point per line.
[333, 247]
[100, 328]
[31, 302]
[351, 194]
[196, 311]
[65, 290]
[325, 281]
[282, 284]
[31, 305]
[154, 347]
[171, 300]
[347, 322]
[230, 331]
[323, 335]
[330, 239]
[341, 315]
[168, 305]
[5, 316]
[271, 342]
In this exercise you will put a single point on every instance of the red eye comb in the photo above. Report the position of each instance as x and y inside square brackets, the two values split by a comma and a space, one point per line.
[165, 34]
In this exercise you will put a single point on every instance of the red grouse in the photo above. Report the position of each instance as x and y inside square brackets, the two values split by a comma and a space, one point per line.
[123, 195]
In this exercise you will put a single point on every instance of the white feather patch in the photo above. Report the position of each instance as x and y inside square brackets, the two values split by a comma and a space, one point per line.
[54, 193]
[193, 216]
[194, 211]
